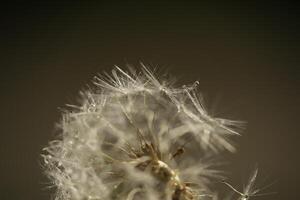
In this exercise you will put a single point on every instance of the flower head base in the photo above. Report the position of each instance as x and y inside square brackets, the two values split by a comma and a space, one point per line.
[136, 137]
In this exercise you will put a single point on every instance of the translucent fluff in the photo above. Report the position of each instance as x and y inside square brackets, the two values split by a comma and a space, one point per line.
[137, 137]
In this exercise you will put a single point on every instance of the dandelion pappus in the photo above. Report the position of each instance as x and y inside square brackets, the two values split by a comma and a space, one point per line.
[181, 149]
[249, 190]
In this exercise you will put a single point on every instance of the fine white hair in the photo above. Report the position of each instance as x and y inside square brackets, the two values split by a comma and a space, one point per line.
[135, 136]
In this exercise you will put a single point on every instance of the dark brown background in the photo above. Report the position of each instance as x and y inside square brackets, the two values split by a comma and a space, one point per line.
[245, 55]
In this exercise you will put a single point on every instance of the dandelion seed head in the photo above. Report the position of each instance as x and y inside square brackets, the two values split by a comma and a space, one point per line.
[135, 136]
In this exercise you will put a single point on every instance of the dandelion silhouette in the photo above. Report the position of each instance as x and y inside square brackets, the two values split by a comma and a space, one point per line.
[137, 137]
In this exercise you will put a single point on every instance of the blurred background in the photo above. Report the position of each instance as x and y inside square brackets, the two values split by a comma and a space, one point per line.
[245, 56]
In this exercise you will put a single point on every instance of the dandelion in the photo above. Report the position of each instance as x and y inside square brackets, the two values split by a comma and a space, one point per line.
[134, 136]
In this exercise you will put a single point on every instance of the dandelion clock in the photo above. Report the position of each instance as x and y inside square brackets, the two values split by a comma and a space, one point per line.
[135, 136]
